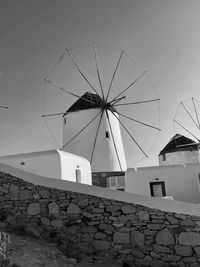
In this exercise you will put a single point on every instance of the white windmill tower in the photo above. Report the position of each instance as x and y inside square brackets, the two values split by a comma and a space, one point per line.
[110, 102]
[88, 115]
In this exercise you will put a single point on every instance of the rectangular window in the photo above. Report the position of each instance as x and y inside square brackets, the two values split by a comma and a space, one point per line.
[157, 189]
[164, 157]
[107, 134]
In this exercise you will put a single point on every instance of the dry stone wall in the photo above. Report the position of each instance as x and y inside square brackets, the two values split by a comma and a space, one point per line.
[130, 235]
[100, 178]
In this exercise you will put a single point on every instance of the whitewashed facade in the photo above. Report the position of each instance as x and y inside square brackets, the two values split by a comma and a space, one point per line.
[178, 182]
[52, 164]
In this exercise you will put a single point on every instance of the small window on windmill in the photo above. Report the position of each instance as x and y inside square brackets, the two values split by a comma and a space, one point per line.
[107, 134]
[65, 120]
[164, 157]
[199, 177]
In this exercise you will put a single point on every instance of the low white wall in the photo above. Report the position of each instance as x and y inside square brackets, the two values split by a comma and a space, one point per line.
[179, 157]
[161, 204]
[181, 181]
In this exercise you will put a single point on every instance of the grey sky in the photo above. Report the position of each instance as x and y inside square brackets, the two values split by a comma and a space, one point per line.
[163, 36]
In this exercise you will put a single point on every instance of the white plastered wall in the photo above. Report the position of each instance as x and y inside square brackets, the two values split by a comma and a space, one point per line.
[53, 164]
[181, 181]
[42, 163]
[70, 163]
[179, 157]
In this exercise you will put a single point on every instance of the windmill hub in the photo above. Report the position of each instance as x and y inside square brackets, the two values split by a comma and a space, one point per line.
[106, 105]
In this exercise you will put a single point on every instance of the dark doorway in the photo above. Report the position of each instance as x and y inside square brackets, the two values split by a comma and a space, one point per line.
[157, 189]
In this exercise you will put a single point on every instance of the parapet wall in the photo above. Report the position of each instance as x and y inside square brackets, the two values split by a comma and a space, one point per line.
[124, 231]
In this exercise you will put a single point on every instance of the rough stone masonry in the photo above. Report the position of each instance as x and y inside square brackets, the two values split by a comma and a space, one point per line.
[130, 233]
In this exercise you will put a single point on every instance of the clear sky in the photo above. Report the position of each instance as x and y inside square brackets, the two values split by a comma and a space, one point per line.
[162, 36]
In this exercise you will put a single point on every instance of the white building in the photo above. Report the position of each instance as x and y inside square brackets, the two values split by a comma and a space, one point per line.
[52, 164]
[93, 134]
[177, 177]
[180, 182]
[179, 150]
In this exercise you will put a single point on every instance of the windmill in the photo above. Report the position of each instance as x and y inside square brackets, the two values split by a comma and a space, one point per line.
[187, 118]
[187, 121]
[109, 98]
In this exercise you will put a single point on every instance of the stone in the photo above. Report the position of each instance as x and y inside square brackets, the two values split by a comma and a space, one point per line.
[180, 216]
[118, 224]
[88, 229]
[33, 209]
[114, 219]
[143, 215]
[197, 250]
[122, 218]
[100, 235]
[129, 261]
[44, 193]
[164, 237]
[137, 253]
[187, 222]
[154, 226]
[148, 258]
[171, 258]
[189, 238]
[14, 189]
[149, 232]
[45, 221]
[73, 209]
[101, 245]
[128, 209]
[172, 220]
[132, 217]
[121, 238]
[183, 250]
[112, 208]
[154, 255]
[195, 264]
[137, 238]
[106, 227]
[189, 259]
[33, 230]
[83, 203]
[3, 189]
[53, 208]
[36, 196]
[97, 210]
[71, 261]
[126, 229]
[141, 263]
[158, 263]
[57, 223]
[25, 194]
[161, 249]
[36, 262]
